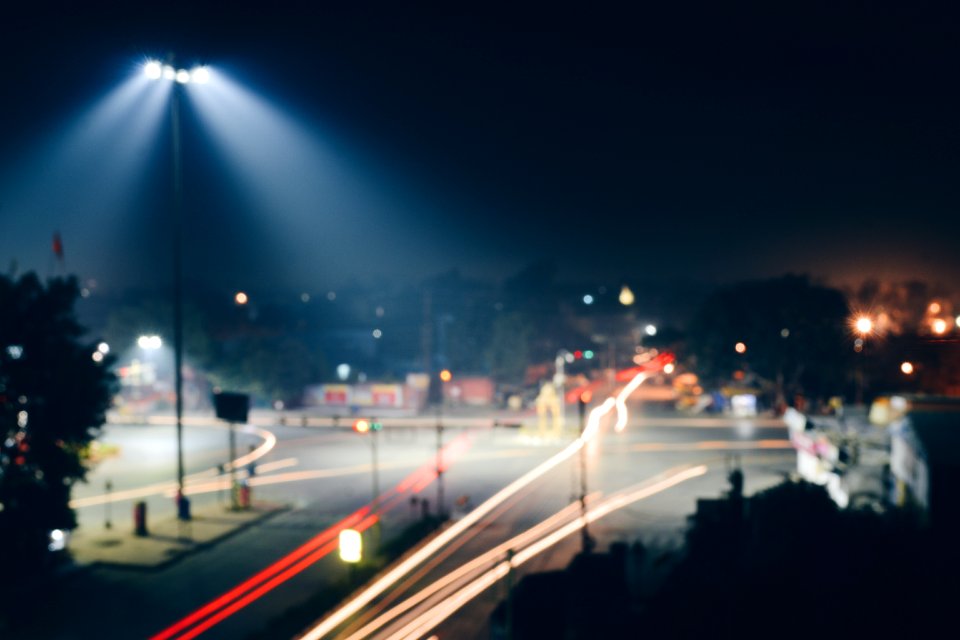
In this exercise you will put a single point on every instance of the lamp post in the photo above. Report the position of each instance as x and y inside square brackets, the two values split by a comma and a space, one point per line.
[864, 326]
[156, 71]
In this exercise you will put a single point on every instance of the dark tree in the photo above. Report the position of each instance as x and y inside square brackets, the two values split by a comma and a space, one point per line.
[53, 400]
[795, 333]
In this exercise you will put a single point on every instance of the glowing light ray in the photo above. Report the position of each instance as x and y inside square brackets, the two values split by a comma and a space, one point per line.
[433, 617]
[340, 615]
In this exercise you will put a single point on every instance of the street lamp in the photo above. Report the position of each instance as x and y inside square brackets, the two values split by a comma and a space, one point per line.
[154, 70]
[863, 326]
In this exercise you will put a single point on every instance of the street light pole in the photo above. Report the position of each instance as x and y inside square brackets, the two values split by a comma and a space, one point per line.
[177, 280]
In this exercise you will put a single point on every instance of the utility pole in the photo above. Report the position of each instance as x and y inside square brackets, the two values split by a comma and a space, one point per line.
[585, 539]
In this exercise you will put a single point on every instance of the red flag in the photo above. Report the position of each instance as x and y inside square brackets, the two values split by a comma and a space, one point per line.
[57, 245]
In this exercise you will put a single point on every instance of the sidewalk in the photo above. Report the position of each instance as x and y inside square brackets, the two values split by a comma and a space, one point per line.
[168, 541]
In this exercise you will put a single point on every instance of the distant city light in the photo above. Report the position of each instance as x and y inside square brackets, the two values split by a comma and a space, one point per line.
[446, 376]
[863, 325]
[97, 356]
[934, 308]
[626, 296]
[15, 351]
[939, 326]
[958, 321]
[103, 348]
[331, 296]
[650, 330]
[343, 371]
[740, 347]
[149, 343]
[241, 298]
[669, 368]
[784, 333]
[906, 368]
[304, 297]
[568, 357]
[377, 334]
[588, 299]
[380, 312]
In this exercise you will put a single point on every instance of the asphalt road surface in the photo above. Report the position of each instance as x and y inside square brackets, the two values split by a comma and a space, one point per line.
[324, 475]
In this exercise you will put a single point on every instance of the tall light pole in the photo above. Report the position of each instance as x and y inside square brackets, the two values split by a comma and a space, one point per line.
[864, 327]
[156, 71]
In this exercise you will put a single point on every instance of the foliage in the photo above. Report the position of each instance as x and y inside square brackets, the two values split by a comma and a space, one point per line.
[509, 349]
[795, 333]
[53, 400]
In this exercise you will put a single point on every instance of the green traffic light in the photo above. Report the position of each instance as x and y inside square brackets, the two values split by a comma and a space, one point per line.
[376, 426]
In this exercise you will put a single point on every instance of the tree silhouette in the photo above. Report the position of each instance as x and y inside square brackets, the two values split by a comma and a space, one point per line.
[53, 398]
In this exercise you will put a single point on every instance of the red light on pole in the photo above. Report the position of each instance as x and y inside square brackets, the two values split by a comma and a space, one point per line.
[361, 426]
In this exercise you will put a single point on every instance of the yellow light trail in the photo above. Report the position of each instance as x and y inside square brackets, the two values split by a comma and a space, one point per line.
[431, 618]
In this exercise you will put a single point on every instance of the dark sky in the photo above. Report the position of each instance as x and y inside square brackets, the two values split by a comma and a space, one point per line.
[703, 141]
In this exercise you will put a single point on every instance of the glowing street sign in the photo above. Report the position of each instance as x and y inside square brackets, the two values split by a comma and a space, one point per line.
[351, 545]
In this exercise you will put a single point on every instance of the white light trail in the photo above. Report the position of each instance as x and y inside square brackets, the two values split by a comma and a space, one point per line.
[433, 617]
[622, 401]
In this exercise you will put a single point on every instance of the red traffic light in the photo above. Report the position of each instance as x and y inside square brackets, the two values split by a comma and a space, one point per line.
[578, 354]
[361, 426]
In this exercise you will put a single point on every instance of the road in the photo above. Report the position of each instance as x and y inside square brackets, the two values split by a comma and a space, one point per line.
[324, 475]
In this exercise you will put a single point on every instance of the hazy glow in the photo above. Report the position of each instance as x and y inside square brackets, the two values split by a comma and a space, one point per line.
[169, 72]
[906, 367]
[149, 343]
[626, 296]
[446, 376]
[588, 299]
[939, 326]
[241, 298]
[934, 308]
[650, 330]
[740, 347]
[83, 178]
[669, 368]
[863, 325]
[183, 76]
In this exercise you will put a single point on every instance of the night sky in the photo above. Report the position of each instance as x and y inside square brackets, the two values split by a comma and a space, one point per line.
[702, 142]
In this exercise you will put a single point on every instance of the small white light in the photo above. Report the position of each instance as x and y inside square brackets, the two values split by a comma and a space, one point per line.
[22, 419]
[588, 299]
[169, 72]
[650, 330]
[668, 368]
[97, 356]
[377, 333]
[103, 347]
[153, 70]
[15, 351]
[200, 75]
[183, 76]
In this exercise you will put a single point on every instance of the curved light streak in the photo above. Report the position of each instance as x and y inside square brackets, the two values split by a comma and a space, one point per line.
[164, 488]
[622, 401]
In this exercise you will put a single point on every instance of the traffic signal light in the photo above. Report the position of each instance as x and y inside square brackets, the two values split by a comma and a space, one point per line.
[361, 426]
[375, 425]
[582, 401]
